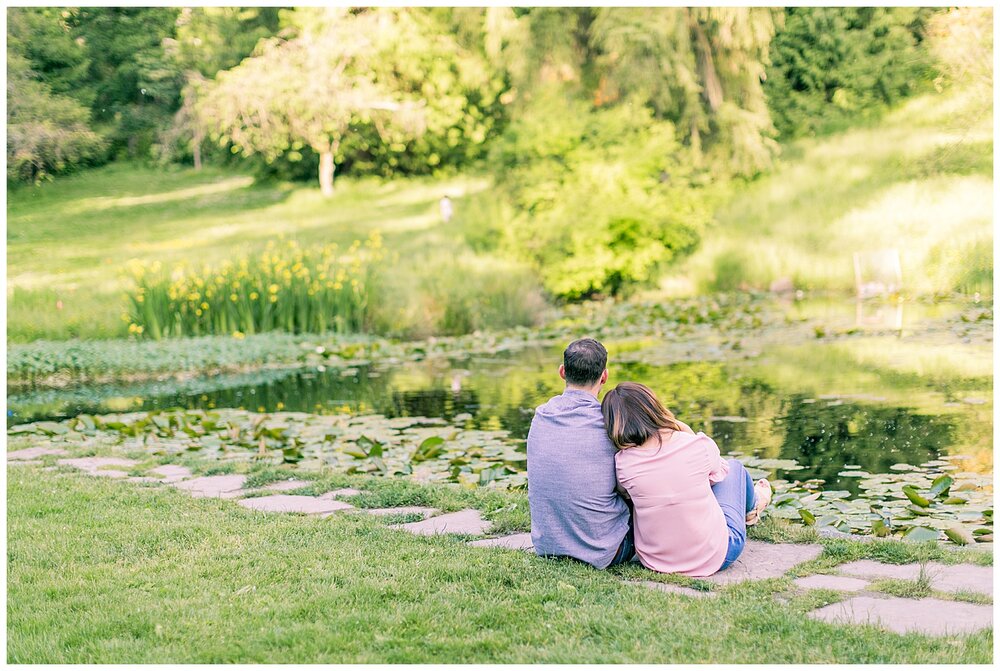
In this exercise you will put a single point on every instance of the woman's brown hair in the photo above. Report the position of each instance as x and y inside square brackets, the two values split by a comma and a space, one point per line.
[633, 415]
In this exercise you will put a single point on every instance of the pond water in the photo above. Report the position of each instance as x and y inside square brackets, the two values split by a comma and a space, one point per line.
[863, 403]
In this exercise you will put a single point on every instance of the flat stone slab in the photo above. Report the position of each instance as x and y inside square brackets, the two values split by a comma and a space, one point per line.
[467, 522]
[288, 503]
[347, 491]
[402, 510]
[765, 560]
[213, 486]
[926, 616]
[513, 542]
[109, 473]
[172, 472]
[91, 465]
[835, 582]
[33, 453]
[675, 589]
[286, 485]
[944, 577]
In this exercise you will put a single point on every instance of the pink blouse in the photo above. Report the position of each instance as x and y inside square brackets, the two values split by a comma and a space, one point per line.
[679, 525]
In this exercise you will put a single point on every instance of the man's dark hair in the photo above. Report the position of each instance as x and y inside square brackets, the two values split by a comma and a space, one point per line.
[584, 360]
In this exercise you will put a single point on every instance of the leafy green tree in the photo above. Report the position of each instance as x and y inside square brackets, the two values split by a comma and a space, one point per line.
[211, 39]
[699, 67]
[134, 86]
[47, 133]
[604, 197]
[342, 77]
[42, 36]
[834, 66]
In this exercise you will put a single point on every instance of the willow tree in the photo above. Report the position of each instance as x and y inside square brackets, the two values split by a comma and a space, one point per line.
[308, 90]
[699, 67]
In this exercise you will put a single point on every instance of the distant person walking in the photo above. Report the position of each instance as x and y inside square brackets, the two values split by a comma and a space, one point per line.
[446, 209]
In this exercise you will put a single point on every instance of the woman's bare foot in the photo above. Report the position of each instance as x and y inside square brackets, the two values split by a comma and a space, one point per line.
[762, 492]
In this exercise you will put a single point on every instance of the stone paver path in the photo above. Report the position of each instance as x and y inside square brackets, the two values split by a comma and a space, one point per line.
[943, 577]
[759, 560]
[467, 522]
[512, 542]
[402, 510]
[675, 589]
[926, 616]
[95, 465]
[33, 453]
[337, 493]
[838, 583]
[289, 503]
[214, 486]
[285, 485]
[171, 473]
[765, 560]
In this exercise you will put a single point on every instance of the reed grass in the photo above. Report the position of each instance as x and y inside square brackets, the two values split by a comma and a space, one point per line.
[286, 288]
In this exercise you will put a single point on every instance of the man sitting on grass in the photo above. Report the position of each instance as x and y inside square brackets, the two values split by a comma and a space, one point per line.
[575, 508]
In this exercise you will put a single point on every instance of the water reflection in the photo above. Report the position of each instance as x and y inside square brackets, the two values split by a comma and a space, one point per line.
[765, 407]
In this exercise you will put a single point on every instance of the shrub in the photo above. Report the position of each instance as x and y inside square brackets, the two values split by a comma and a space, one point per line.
[440, 294]
[46, 133]
[603, 198]
[832, 67]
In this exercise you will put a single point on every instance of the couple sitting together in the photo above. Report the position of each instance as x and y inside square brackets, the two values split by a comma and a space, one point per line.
[624, 480]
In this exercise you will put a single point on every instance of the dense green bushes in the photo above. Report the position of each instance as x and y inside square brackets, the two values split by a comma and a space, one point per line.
[832, 67]
[443, 293]
[47, 133]
[602, 198]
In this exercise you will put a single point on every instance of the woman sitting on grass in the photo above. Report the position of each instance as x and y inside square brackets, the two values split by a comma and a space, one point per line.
[691, 506]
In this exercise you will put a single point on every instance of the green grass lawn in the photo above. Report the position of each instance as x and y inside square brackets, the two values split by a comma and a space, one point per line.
[920, 180]
[71, 240]
[109, 572]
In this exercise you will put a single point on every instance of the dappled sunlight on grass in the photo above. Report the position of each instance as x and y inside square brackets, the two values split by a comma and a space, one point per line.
[74, 237]
[108, 202]
[927, 191]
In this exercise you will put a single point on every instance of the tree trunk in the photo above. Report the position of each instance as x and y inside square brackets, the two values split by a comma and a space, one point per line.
[197, 151]
[326, 169]
[711, 85]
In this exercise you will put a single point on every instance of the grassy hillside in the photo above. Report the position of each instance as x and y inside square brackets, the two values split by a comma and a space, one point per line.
[71, 240]
[920, 181]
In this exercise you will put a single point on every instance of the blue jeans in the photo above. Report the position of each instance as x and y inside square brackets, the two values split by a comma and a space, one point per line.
[736, 497]
[626, 551]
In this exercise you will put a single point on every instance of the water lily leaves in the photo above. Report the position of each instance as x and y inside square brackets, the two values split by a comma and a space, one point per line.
[921, 535]
[880, 528]
[787, 499]
[370, 447]
[941, 485]
[911, 493]
[430, 448]
[958, 535]
[983, 535]
[85, 423]
[52, 428]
